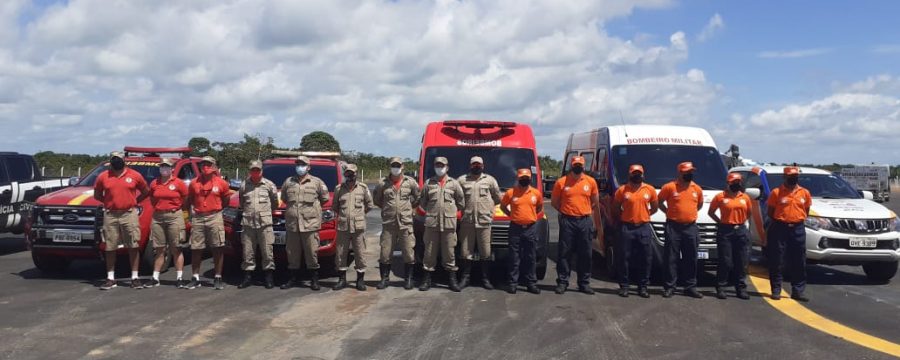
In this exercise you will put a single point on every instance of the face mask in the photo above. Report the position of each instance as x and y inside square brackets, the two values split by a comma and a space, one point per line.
[302, 170]
[735, 187]
[524, 182]
[165, 171]
[477, 170]
[440, 171]
[255, 176]
[687, 177]
[350, 177]
[117, 164]
[578, 170]
[636, 179]
[791, 180]
[208, 170]
[395, 171]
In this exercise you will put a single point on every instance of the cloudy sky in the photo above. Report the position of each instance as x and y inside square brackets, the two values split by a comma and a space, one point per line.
[804, 81]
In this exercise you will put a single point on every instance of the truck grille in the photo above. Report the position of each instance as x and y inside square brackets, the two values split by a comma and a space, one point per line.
[68, 216]
[855, 226]
[500, 234]
[707, 232]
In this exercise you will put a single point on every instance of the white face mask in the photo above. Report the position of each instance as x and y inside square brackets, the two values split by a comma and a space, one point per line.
[302, 169]
[440, 171]
[165, 171]
[396, 171]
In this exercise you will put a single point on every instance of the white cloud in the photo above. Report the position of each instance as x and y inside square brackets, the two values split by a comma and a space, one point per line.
[715, 25]
[887, 49]
[791, 54]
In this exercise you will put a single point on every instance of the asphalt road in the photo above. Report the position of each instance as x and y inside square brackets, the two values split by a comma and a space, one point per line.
[68, 317]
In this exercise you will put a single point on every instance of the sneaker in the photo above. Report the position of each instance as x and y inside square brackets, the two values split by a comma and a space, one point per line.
[533, 289]
[108, 284]
[561, 288]
[799, 296]
[151, 283]
[743, 295]
[642, 292]
[180, 284]
[218, 284]
[137, 284]
[667, 293]
[623, 292]
[776, 296]
[512, 289]
[193, 284]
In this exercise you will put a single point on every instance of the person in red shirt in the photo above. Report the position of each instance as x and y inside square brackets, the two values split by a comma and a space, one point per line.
[207, 195]
[167, 194]
[681, 199]
[522, 203]
[787, 208]
[120, 189]
[633, 204]
[576, 197]
[732, 236]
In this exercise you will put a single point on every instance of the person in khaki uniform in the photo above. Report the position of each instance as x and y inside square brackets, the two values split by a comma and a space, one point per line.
[167, 195]
[304, 196]
[258, 199]
[441, 198]
[352, 202]
[396, 195]
[482, 196]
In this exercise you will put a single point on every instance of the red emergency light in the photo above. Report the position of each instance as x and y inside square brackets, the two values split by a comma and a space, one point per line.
[479, 124]
[155, 151]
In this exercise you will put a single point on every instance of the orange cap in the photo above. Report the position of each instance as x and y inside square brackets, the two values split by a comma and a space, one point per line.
[732, 177]
[791, 170]
[685, 167]
[523, 173]
[577, 160]
[637, 168]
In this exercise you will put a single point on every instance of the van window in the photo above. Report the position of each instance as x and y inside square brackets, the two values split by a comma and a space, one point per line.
[501, 163]
[661, 162]
[751, 180]
[602, 164]
[19, 168]
[186, 172]
[567, 162]
[588, 160]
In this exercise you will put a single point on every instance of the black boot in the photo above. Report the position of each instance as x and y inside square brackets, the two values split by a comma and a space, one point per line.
[292, 281]
[360, 281]
[486, 275]
[342, 281]
[426, 281]
[270, 279]
[454, 285]
[385, 276]
[720, 293]
[466, 271]
[410, 269]
[248, 279]
[314, 282]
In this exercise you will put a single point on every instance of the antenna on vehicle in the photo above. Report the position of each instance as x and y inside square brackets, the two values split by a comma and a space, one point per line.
[621, 118]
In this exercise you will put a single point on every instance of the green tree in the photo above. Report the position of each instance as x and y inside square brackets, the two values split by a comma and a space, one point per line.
[200, 146]
[237, 155]
[550, 166]
[319, 141]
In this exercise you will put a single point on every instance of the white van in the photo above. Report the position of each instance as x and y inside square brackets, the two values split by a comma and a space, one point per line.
[844, 226]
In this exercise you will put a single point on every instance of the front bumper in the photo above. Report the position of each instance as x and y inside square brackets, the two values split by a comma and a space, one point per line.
[41, 240]
[829, 247]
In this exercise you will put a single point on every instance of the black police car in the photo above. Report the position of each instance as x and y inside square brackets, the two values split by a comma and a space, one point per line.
[21, 184]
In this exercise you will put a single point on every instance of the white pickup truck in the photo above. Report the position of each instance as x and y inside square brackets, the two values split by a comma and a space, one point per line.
[873, 178]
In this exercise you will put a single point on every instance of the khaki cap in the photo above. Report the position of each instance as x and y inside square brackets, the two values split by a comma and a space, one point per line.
[396, 160]
[256, 164]
[166, 162]
[208, 159]
[440, 160]
[116, 154]
[476, 159]
[302, 159]
[350, 167]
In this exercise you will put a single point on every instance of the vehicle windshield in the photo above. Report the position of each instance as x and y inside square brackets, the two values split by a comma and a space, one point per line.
[278, 173]
[501, 163]
[149, 172]
[820, 185]
[661, 161]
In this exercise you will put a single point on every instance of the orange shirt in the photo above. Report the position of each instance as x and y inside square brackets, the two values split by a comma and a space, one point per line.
[522, 204]
[635, 203]
[120, 192]
[681, 203]
[210, 195]
[734, 209]
[575, 195]
[169, 195]
[790, 206]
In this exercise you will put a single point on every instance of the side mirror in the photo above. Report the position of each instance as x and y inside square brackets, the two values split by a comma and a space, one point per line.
[868, 195]
[753, 193]
[73, 180]
[234, 184]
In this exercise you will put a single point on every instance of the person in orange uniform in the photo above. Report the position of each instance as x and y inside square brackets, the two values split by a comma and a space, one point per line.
[575, 196]
[732, 236]
[633, 204]
[787, 207]
[208, 193]
[167, 194]
[681, 199]
[120, 189]
[522, 204]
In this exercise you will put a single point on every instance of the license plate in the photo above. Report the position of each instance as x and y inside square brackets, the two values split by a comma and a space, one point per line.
[702, 255]
[863, 242]
[279, 238]
[66, 237]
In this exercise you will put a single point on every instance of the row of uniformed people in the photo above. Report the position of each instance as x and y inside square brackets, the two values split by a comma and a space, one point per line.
[576, 197]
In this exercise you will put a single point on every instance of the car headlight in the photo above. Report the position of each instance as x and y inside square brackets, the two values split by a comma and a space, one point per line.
[327, 215]
[817, 223]
[895, 224]
[36, 218]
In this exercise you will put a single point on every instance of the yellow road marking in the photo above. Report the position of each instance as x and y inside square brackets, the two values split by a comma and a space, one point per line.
[793, 309]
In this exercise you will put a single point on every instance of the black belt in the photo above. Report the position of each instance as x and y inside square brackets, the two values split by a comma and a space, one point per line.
[575, 217]
[788, 224]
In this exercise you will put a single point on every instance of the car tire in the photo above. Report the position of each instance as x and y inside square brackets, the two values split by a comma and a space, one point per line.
[880, 271]
[50, 264]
